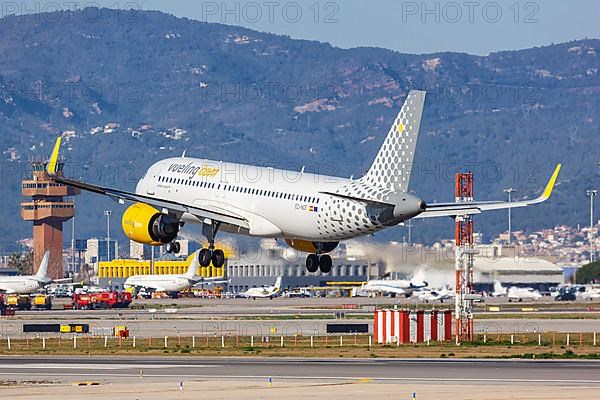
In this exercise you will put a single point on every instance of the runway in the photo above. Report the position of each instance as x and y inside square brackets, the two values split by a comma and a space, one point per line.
[383, 370]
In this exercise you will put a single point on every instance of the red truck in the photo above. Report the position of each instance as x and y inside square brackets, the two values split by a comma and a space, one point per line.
[90, 301]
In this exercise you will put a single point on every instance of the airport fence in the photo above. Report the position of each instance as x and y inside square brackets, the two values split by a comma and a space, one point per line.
[188, 344]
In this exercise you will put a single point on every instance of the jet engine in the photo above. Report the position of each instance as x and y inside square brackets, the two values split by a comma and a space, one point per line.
[145, 224]
[311, 247]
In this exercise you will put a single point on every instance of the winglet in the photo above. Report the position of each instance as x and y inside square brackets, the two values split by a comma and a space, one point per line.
[53, 163]
[551, 183]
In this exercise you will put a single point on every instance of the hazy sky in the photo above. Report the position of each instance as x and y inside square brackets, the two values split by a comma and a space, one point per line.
[476, 27]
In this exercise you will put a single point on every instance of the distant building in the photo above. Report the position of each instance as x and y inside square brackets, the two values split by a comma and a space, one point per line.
[256, 271]
[97, 250]
[517, 271]
[136, 250]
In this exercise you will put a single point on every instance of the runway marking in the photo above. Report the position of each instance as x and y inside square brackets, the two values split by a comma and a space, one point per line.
[100, 366]
[339, 378]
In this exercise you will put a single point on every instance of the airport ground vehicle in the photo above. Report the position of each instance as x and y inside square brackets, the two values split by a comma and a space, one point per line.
[567, 294]
[17, 302]
[4, 310]
[42, 302]
[90, 301]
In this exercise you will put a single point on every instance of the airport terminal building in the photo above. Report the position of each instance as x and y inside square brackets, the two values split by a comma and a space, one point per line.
[243, 272]
[248, 272]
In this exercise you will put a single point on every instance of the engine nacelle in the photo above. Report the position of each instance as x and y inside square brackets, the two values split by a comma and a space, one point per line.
[145, 224]
[311, 247]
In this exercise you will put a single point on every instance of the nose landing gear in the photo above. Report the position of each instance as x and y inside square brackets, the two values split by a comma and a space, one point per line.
[173, 247]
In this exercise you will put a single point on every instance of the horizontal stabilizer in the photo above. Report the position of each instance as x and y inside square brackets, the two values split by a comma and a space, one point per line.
[454, 209]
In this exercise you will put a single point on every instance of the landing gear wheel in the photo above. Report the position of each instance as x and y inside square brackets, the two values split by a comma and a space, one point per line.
[325, 263]
[173, 247]
[204, 257]
[218, 258]
[312, 263]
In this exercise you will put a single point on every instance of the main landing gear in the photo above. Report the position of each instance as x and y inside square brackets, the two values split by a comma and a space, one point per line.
[211, 254]
[318, 261]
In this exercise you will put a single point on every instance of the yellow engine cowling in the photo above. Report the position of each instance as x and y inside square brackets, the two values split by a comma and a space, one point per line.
[307, 246]
[143, 223]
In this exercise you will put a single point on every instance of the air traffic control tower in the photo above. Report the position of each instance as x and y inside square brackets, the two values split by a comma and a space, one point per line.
[48, 209]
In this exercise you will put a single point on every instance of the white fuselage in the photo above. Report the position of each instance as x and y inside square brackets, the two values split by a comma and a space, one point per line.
[397, 287]
[19, 284]
[517, 293]
[160, 283]
[263, 292]
[276, 203]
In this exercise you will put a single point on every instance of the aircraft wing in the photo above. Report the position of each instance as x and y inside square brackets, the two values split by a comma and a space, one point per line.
[209, 281]
[161, 204]
[454, 209]
[156, 288]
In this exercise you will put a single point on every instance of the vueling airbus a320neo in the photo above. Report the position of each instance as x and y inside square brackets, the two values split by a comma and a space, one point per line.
[311, 212]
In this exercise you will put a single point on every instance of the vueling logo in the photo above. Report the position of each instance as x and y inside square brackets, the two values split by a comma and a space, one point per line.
[193, 170]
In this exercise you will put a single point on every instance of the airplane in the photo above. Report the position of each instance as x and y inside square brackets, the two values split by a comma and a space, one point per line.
[167, 283]
[591, 293]
[435, 295]
[520, 294]
[396, 287]
[311, 212]
[499, 290]
[27, 284]
[264, 292]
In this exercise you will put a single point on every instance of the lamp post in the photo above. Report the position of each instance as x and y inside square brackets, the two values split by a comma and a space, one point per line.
[107, 213]
[510, 191]
[592, 194]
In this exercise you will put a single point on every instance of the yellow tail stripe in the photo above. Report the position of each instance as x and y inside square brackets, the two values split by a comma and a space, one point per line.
[552, 182]
[54, 157]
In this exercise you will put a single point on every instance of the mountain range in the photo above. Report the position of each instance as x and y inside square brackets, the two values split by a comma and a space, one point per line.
[125, 92]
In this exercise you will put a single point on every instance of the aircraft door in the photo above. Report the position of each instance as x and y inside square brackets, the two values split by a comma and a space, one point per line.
[152, 179]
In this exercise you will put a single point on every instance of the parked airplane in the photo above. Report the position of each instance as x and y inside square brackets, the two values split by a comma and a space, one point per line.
[395, 287]
[167, 283]
[313, 213]
[499, 290]
[520, 294]
[591, 293]
[264, 292]
[436, 295]
[27, 284]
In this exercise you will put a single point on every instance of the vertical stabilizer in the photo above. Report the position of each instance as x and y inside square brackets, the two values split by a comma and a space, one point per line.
[393, 164]
[193, 268]
[42, 273]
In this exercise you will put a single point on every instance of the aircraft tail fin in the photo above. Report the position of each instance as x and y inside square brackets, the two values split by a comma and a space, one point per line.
[498, 289]
[278, 283]
[193, 268]
[42, 272]
[393, 164]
